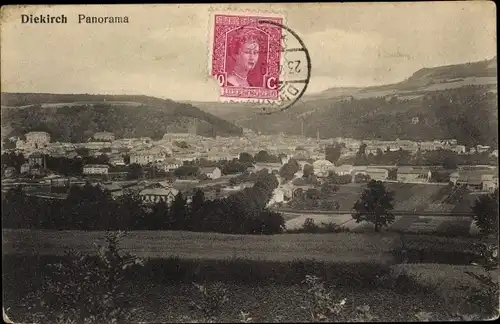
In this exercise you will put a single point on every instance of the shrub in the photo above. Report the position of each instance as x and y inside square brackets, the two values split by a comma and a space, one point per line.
[324, 307]
[213, 296]
[245, 317]
[86, 289]
[309, 226]
[486, 213]
[486, 297]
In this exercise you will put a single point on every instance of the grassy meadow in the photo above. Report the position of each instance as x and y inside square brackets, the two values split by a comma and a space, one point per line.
[262, 275]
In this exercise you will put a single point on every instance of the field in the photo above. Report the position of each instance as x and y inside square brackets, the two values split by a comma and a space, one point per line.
[262, 274]
[344, 247]
[408, 197]
[156, 244]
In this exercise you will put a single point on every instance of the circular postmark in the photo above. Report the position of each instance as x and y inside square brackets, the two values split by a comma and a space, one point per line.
[295, 71]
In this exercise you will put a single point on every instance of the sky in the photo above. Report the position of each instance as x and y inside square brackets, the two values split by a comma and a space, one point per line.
[164, 50]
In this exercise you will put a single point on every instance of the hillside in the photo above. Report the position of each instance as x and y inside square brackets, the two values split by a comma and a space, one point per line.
[455, 101]
[75, 117]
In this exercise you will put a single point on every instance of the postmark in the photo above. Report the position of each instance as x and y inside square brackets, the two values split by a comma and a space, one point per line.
[259, 61]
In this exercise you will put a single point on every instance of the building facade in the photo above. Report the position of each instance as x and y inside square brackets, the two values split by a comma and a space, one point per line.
[95, 169]
[37, 139]
[104, 136]
[211, 172]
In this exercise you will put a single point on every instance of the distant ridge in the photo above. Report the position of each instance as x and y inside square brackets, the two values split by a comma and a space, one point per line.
[454, 101]
[75, 117]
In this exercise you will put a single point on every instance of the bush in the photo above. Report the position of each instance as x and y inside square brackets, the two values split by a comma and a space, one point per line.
[86, 289]
[309, 226]
[212, 298]
[324, 307]
[486, 297]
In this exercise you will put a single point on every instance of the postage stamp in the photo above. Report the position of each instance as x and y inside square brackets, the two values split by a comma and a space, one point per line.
[246, 56]
[257, 60]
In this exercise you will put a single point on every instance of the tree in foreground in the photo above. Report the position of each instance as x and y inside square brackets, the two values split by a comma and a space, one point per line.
[87, 288]
[375, 205]
[485, 211]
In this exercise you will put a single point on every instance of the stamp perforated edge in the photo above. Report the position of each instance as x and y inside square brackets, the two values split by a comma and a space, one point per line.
[212, 11]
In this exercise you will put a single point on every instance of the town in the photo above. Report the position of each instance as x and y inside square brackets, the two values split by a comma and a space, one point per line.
[183, 162]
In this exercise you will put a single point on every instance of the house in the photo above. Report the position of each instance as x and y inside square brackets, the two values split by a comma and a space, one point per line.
[377, 173]
[211, 172]
[323, 167]
[145, 157]
[409, 174]
[36, 159]
[113, 188]
[104, 136]
[269, 166]
[475, 180]
[37, 139]
[95, 169]
[117, 161]
[34, 169]
[278, 197]
[482, 148]
[285, 159]
[170, 164]
[429, 146]
[154, 195]
[25, 168]
[490, 184]
[96, 146]
[59, 181]
[344, 169]
[471, 180]
[159, 184]
[460, 149]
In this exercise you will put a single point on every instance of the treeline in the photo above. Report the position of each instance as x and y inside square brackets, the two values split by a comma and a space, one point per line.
[445, 158]
[77, 123]
[467, 114]
[92, 208]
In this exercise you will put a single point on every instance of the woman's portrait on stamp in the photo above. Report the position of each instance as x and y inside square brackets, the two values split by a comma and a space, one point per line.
[246, 57]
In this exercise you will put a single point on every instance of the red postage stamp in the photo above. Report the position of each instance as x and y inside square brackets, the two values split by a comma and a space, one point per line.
[246, 56]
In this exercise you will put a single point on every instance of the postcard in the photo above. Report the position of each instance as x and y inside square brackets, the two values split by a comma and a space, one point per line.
[208, 163]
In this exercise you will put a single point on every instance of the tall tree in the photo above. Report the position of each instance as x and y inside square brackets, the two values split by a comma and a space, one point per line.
[178, 212]
[485, 209]
[196, 216]
[288, 170]
[307, 171]
[265, 157]
[134, 172]
[375, 205]
[159, 218]
[333, 152]
[246, 158]
[82, 151]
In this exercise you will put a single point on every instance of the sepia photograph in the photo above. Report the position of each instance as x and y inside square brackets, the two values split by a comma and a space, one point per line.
[249, 163]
